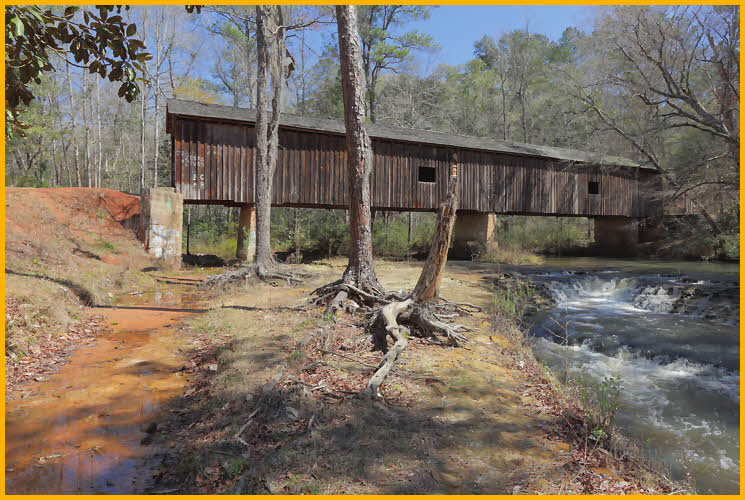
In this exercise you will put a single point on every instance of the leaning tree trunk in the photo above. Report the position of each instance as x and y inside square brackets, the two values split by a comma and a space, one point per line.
[420, 308]
[428, 285]
[360, 271]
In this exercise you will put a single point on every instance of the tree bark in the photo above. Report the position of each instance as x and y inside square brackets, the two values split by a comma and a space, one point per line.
[296, 235]
[142, 140]
[86, 99]
[411, 228]
[100, 145]
[360, 271]
[156, 128]
[74, 128]
[269, 58]
[428, 285]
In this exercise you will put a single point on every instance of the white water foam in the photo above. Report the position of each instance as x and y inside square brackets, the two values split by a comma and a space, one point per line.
[686, 406]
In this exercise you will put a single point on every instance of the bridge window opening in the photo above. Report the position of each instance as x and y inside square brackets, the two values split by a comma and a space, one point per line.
[593, 187]
[427, 174]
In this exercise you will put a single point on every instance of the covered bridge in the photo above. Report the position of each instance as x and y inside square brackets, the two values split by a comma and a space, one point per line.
[213, 161]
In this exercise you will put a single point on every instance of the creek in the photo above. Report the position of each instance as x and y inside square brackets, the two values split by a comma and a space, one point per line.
[672, 340]
[83, 429]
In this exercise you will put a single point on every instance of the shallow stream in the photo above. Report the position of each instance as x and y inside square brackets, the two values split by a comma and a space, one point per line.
[81, 431]
[673, 342]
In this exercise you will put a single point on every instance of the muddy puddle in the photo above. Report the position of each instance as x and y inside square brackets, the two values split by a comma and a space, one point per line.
[81, 430]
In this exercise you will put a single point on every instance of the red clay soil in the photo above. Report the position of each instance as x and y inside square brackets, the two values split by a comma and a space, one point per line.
[52, 237]
[85, 213]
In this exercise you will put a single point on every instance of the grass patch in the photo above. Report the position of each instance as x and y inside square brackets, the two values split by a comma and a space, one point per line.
[512, 256]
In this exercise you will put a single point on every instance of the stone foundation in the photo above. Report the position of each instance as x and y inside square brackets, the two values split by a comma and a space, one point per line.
[246, 234]
[617, 235]
[474, 234]
[161, 223]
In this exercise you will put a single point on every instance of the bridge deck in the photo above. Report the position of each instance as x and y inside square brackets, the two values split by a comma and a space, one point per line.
[214, 153]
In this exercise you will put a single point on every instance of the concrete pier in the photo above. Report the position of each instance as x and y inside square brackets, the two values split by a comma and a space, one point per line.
[246, 233]
[475, 233]
[161, 222]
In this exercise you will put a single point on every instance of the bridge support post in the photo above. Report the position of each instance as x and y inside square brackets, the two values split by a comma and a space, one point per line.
[617, 235]
[246, 233]
[475, 234]
[161, 223]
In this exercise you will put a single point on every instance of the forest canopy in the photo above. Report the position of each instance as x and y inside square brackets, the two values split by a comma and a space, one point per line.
[656, 84]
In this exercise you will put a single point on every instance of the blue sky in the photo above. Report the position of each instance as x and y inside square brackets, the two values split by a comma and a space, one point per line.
[456, 27]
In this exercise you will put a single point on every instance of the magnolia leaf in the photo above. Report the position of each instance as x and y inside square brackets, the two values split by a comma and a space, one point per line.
[17, 26]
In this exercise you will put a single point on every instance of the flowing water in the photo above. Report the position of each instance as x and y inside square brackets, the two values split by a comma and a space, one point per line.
[674, 344]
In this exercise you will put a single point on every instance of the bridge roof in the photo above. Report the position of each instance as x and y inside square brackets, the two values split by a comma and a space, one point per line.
[377, 131]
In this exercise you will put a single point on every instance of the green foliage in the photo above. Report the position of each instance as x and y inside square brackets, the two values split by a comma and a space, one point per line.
[104, 44]
[384, 47]
[600, 403]
[729, 245]
[391, 234]
[104, 245]
[542, 234]
[513, 298]
[234, 466]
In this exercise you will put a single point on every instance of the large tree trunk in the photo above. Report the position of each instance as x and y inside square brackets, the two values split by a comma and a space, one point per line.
[360, 271]
[269, 58]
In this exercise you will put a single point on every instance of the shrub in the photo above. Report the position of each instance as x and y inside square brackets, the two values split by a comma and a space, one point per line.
[729, 246]
[542, 234]
[600, 402]
[513, 298]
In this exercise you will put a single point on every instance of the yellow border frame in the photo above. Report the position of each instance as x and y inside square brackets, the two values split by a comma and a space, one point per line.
[359, 2]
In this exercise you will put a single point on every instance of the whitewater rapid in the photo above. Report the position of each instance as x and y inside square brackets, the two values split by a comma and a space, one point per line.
[679, 372]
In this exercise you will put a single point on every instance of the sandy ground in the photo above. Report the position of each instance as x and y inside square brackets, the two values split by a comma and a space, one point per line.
[451, 420]
[171, 390]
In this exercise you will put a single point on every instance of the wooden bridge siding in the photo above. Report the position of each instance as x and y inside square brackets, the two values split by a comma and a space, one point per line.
[216, 162]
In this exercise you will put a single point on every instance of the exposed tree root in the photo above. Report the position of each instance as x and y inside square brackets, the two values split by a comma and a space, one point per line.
[272, 274]
[386, 322]
[422, 318]
[461, 307]
[343, 296]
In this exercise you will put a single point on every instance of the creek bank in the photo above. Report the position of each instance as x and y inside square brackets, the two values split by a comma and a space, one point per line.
[41, 357]
[272, 407]
[82, 429]
[679, 371]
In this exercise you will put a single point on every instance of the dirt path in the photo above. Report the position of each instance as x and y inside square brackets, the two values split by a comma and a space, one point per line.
[452, 420]
[80, 431]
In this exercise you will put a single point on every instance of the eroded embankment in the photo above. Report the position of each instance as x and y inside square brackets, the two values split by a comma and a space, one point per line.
[65, 249]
